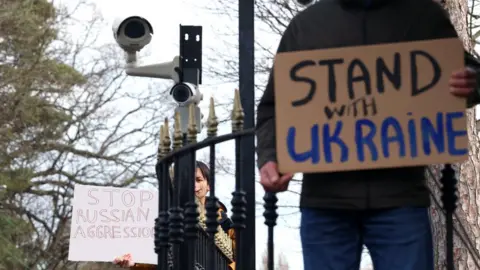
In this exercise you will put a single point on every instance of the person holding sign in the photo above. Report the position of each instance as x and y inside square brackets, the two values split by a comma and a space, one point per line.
[341, 211]
[202, 187]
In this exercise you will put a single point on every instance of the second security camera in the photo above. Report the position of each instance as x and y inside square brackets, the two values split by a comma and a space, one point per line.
[185, 94]
[132, 33]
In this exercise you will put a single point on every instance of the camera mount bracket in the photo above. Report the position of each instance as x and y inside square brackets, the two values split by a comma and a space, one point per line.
[190, 69]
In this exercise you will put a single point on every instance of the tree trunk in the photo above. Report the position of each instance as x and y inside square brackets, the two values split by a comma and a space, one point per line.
[467, 214]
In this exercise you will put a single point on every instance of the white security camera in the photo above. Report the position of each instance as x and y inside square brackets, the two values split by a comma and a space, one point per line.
[186, 93]
[132, 33]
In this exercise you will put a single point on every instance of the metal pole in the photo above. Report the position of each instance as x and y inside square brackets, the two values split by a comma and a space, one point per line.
[247, 96]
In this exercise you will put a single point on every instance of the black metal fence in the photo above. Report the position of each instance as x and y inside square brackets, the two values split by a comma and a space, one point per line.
[195, 238]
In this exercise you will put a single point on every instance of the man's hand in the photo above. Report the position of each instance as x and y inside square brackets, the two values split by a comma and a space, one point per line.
[463, 82]
[271, 180]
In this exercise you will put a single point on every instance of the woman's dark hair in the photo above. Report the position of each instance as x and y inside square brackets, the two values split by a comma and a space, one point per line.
[206, 174]
[204, 170]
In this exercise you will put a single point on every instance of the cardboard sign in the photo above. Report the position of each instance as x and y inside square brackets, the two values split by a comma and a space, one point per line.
[369, 107]
[109, 222]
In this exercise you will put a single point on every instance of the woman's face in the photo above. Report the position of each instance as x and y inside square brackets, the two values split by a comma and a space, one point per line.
[201, 185]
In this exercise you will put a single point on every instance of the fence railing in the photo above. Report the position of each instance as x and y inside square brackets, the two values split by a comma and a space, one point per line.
[197, 241]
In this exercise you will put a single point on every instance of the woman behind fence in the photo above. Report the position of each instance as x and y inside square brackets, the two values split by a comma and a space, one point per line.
[202, 187]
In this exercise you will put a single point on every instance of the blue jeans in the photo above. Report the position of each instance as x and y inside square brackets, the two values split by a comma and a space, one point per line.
[397, 238]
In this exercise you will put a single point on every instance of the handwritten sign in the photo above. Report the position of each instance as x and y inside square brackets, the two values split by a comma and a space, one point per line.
[109, 222]
[369, 107]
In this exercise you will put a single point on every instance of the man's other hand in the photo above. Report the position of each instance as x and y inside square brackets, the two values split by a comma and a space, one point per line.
[463, 82]
[271, 180]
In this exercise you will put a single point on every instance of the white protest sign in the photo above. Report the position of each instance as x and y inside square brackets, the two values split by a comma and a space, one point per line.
[109, 222]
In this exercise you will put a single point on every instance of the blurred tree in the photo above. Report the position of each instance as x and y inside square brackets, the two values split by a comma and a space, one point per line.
[28, 118]
[466, 249]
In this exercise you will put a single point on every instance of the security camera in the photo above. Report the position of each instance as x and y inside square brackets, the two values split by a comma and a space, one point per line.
[186, 93]
[132, 33]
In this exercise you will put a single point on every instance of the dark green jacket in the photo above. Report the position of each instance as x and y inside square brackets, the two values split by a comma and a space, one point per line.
[339, 23]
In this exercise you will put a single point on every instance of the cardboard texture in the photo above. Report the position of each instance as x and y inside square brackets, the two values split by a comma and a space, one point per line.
[371, 107]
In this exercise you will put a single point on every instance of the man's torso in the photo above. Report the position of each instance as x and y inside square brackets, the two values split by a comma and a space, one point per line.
[329, 24]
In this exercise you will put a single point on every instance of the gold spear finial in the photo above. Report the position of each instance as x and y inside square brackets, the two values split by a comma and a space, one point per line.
[237, 113]
[160, 152]
[192, 126]
[212, 122]
[166, 139]
[177, 132]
